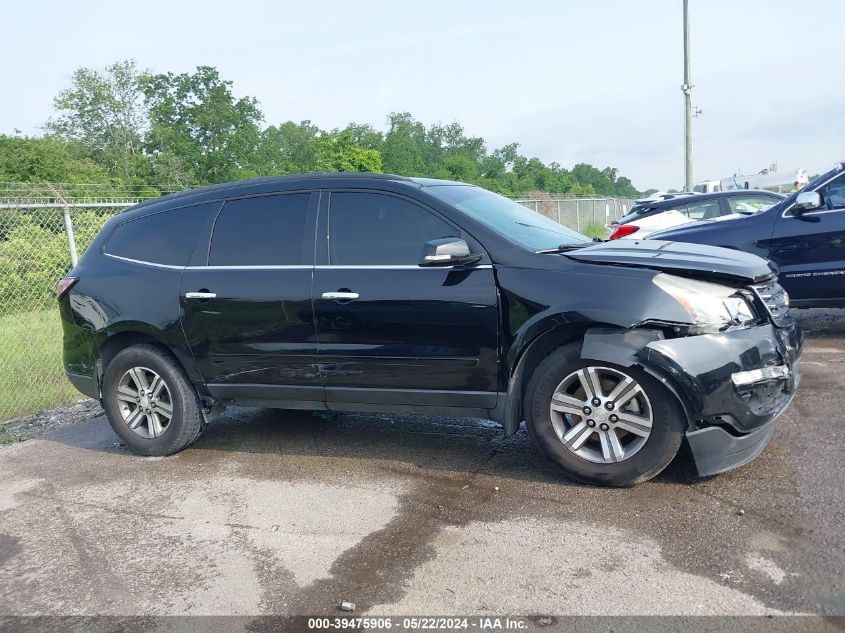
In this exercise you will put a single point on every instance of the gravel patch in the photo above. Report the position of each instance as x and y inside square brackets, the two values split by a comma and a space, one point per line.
[37, 424]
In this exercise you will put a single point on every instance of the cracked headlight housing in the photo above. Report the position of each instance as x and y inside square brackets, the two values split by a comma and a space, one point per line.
[712, 307]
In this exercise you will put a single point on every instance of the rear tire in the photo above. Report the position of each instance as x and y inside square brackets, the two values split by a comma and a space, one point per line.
[149, 401]
[644, 419]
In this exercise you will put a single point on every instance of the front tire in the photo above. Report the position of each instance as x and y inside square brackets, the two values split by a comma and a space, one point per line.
[149, 401]
[601, 423]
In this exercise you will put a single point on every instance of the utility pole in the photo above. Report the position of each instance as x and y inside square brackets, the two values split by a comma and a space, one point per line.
[687, 90]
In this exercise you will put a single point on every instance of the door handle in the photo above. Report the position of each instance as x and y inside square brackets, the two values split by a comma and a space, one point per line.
[340, 296]
[201, 295]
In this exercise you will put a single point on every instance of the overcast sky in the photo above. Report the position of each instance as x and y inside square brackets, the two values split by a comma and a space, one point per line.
[569, 80]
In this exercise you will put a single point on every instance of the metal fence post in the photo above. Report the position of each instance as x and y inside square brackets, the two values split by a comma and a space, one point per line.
[558, 210]
[577, 217]
[71, 241]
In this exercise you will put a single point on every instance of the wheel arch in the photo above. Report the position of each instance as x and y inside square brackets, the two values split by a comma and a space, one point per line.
[124, 334]
[602, 342]
[529, 356]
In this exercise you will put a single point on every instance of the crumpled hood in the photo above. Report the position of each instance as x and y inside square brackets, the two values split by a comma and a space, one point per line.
[677, 257]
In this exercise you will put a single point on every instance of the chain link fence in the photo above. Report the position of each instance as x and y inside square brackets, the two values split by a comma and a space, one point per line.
[590, 216]
[42, 230]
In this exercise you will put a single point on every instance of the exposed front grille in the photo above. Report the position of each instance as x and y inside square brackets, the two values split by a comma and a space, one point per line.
[776, 300]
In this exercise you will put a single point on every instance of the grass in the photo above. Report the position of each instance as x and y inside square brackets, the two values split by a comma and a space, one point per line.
[594, 229]
[31, 372]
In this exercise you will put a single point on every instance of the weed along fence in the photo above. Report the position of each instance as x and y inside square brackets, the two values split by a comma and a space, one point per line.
[45, 228]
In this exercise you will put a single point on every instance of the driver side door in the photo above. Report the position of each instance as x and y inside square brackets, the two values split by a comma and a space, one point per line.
[810, 247]
[400, 333]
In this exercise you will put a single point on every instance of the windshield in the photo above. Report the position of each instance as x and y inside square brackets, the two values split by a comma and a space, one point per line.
[511, 219]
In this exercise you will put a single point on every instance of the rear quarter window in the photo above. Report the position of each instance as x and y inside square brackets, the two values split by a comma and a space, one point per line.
[263, 231]
[166, 237]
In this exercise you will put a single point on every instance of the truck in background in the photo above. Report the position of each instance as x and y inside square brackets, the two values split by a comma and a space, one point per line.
[770, 179]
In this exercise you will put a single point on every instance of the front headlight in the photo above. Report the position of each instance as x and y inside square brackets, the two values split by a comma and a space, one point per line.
[713, 307]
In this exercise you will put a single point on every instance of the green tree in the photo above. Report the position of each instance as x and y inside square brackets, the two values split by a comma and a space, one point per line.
[448, 152]
[190, 129]
[460, 167]
[105, 112]
[600, 180]
[337, 152]
[288, 148]
[404, 146]
[197, 124]
[625, 188]
[365, 135]
[47, 159]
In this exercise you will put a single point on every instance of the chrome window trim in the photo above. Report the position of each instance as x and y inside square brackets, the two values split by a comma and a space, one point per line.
[254, 267]
[836, 210]
[296, 266]
[327, 267]
[144, 263]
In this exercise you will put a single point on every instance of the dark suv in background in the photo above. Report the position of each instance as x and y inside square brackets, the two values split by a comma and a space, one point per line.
[381, 293]
[804, 235]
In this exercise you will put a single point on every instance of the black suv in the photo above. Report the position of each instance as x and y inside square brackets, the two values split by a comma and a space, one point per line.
[370, 292]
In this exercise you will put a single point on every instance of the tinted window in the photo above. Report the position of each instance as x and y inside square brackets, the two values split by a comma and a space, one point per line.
[750, 204]
[374, 229]
[833, 194]
[167, 237]
[702, 210]
[264, 231]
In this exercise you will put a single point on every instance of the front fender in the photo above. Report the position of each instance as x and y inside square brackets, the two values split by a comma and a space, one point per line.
[618, 346]
[634, 347]
[577, 297]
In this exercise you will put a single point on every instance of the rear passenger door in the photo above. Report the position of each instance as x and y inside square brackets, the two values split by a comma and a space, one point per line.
[246, 303]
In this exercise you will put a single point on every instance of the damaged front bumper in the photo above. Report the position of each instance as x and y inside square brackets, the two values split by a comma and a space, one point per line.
[732, 385]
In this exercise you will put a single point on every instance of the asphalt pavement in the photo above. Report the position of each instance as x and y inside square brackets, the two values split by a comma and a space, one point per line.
[275, 512]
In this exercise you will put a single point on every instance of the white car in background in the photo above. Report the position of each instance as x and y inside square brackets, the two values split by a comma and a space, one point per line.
[648, 216]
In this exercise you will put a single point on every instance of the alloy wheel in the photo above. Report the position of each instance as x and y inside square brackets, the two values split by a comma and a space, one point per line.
[600, 414]
[145, 402]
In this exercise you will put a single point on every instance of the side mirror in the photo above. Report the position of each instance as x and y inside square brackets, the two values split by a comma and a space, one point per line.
[447, 251]
[806, 201]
